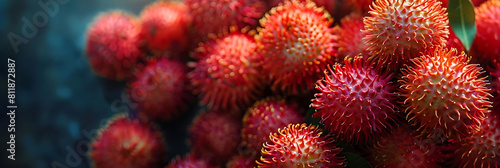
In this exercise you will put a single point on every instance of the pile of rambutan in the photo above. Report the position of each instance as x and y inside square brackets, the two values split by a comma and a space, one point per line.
[300, 83]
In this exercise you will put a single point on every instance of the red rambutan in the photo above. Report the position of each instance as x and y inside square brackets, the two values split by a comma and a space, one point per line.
[165, 26]
[189, 162]
[351, 42]
[228, 75]
[487, 41]
[454, 42]
[265, 117]
[112, 45]
[361, 6]
[444, 92]
[127, 143]
[215, 136]
[328, 5]
[241, 162]
[355, 102]
[399, 30]
[297, 44]
[160, 89]
[299, 145]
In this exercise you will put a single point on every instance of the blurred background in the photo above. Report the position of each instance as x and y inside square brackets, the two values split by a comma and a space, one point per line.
[61, 103]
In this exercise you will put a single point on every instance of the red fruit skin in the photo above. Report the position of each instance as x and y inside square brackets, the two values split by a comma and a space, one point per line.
[165, 26]
[189, 162]
[328, 5]
[228, 74]
[399, 30]
[299, 145]
[127, 143]
[454, 42]
[295, 57]
[495, 87]
[361, 6]
[474, 2]
[351, 44]
[112, 45]
[265, 117]
[482, 149]
[487, 40]
[443, 92]
[160, 89]
[402, 149]
[241, 162]
[356, 101]
[215, 136]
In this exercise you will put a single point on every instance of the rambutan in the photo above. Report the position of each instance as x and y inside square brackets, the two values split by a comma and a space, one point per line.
[482, 149]
[328, 5]
[165, 26]
[126, 142]
[241, 162]
[399, 30]
[160, 89]
[112, 45]
[299, 145]
[495, 85]
[297, 44]
[215, 136]
[190, 162]
[454, 42]
[265, 117]
[228, 75]
[487, 40]
[351, 44]
[355, 101]
[361, 6]
[215, 16]
[442, 91]
[402, 148]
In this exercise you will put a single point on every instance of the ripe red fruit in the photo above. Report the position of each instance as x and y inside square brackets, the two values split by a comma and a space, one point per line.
[355, 101]
[402, 148]
[189, 162]
[351, 44]
[160, 89]
[215, 136]
[126, 142]
[444, 92]
[328, 5]
[299, 145]
[399, 30]
[297, 43]
[454, 42]
[265, 117]
[112, 45]
[495, 85]
[241, 162]
[228, 75]
[487, 40]
[165, 26]
[362, 6]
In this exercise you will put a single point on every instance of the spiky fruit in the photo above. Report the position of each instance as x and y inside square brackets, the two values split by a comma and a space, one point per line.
[189, 162]
[165, 26]
[299, 145]
[328, 5]
[215, 136]
[356, 101]
[265, 117]
[112, 45]
[160, 89]
[482, 149]
[495, 85]
[442, 91]
[215, 16]
[487, 40]
[402, 148]
[241, 162]
[228, 75]
[351, 44]
[126, 142]
[399, 30]
[295, 53]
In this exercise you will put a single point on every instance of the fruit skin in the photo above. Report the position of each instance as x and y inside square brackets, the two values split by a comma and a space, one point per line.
[442, 91]
[328, 5]
[189, 161]
[399, 30]
[215, 136]
[361, 6]
[128, 143]
[160, 89]
[454, 42]
[482, 149]
[112, 45]
[487, 40]
[403, 148]
[495, 85]
[241, 162]
[299, 145]
[265, 117]
[351, 44]
[356, 101]
[228, 75]
[165, 26]
[295, 57]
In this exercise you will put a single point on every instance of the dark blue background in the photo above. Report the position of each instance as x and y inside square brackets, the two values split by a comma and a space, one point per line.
[58, 96]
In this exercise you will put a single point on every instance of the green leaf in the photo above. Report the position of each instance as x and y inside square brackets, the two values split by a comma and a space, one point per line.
[462, 20]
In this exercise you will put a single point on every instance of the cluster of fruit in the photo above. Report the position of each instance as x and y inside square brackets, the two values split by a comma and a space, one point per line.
[389, 82]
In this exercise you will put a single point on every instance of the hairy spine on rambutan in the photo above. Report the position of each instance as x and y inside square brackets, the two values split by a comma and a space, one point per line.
[442, 91]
